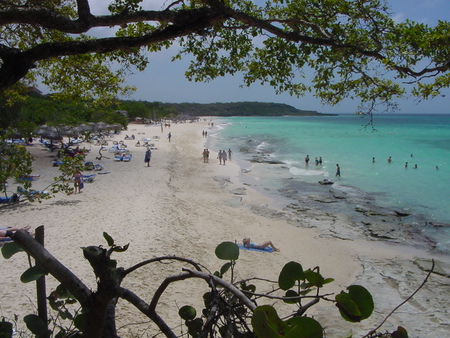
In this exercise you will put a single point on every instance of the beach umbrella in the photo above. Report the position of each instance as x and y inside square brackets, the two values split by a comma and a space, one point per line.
[51, 133]
[101, 126]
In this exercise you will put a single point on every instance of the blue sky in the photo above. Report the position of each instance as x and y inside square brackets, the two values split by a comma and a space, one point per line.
[164, 81]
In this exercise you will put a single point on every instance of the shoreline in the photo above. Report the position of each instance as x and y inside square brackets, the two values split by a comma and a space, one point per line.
[182, 206]
[292, 194]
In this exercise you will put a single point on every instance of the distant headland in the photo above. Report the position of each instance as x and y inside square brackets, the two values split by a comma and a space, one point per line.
[241, 109]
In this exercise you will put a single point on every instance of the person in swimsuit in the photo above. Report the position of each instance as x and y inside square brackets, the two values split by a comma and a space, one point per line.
[78, 177]
[248, 244]
[6, 234]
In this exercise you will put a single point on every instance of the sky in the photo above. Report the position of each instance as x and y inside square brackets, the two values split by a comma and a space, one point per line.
[164, 80]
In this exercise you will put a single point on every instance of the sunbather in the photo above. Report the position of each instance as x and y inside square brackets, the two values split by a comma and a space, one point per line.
[8, 232]
[262, 246]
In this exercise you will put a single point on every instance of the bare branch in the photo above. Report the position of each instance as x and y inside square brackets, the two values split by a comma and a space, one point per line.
[160, 259]
[402, 303]
[52, 265]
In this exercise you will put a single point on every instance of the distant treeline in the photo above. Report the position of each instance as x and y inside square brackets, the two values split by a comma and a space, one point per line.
[240, 109]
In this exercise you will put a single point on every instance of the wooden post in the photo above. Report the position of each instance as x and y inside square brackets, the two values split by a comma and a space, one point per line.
[40, 286]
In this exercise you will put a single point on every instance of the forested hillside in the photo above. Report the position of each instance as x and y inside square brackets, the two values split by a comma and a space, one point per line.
[241, 109]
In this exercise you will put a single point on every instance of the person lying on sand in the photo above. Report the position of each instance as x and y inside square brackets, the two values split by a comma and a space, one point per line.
[248, 244]
[8, 232]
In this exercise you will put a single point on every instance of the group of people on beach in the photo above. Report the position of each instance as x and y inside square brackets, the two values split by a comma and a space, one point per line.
[223, 157]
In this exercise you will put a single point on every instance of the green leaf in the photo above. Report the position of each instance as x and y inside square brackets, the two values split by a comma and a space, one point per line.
[108, 238]
[225, 268]
[187, 312]
[32, 274]
[62, 292]
[291, 293]
[266, 322]
[303, 327]
[227, 251]
[121, 248]
[400, 333]
[290, 273]
[314, 278]
[35, 324]
[9, 249]
[194, 326]
[356, 305]
[80, 321]
[6, 329]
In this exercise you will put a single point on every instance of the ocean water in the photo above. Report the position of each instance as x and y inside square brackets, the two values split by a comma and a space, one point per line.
[347, 140]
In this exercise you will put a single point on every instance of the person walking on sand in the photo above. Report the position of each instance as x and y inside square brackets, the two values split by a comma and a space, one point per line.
[224, 156]
[148, 157]
[205, 155]
[169, 136]
[78, 181]
[338, 170]
[219, 156]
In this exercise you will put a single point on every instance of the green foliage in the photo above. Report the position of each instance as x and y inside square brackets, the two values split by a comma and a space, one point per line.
[32, 274]
[228, 306]
[356, 305]
[35, 324]
[227, 251]
[187, 312]
[6, 329]
[10, 249]
[290, 273]
[15, 163]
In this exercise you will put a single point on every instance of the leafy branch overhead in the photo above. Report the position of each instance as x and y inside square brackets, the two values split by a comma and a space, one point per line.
[353, 49]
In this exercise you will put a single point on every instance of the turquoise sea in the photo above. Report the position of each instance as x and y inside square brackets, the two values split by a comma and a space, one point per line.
[347, 140]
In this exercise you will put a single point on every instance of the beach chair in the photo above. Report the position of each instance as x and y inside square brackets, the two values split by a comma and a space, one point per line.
[30, 194]
[14, 198]
[127, 158]
[89, 178]
[57, 163]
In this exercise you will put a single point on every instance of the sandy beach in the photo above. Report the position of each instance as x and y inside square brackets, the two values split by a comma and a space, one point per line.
[184, 207]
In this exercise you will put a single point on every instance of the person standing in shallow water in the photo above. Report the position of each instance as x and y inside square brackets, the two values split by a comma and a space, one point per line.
[338, 170]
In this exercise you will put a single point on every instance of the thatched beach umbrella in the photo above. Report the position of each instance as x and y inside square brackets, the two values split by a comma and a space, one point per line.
[51, 133]
[101, 126]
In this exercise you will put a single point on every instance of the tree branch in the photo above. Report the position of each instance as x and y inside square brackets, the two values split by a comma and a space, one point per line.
[160, 259]
[402, 303]
[47, 261]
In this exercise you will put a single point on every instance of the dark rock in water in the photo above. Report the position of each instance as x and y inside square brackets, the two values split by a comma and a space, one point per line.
[325, 182]
[401, 213]
[264, 159]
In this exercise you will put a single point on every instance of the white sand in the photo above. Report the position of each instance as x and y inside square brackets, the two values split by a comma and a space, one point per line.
[176, 207]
